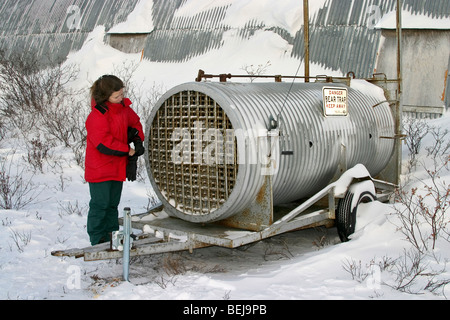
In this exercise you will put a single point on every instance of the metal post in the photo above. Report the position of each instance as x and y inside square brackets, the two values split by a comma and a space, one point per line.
[399, 46]
[306, 29]
[126, 242]
[399, 104]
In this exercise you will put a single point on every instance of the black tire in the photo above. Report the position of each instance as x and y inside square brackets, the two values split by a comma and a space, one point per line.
[346, 212]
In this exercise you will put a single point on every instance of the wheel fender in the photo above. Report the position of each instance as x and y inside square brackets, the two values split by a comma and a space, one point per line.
[359, 188]
[347, 209]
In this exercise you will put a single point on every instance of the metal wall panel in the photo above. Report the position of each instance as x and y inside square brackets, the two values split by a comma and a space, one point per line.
[341, 38]
[50, 29]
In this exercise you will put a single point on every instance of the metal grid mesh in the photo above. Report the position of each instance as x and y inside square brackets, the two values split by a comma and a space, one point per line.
[192, 153]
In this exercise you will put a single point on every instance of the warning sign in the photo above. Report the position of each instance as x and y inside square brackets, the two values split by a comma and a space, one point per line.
[335, 102]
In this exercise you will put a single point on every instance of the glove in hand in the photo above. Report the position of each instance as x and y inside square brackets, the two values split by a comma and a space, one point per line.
[132, 168]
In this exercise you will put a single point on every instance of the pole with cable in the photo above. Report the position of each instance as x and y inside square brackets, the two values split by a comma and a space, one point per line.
[306, 35]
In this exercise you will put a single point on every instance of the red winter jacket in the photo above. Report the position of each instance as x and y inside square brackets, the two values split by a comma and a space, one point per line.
[107, 140]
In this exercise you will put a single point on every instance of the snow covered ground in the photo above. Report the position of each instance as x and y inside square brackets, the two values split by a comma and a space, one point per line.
[309, 264]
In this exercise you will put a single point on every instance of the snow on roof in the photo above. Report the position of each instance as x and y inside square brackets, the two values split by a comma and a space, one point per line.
[287, 14]
[413, 21]
[139, 21]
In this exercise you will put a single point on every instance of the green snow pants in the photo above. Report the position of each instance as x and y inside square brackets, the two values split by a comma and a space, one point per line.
[103, 216]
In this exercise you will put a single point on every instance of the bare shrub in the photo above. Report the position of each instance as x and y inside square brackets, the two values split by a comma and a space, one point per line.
[414, 275]
[421, 212]
[440, 147]
[16, 191]
[409, 273]
[40, 101]
[415, 131]
[164, 282]
[422, 209]
[252, 70]
[363, 272]
[21, 239]
[272, 249]
[65, 123]
[174, 265]
[37, 153]
[3, 129]
[27, 90]
[69, 208]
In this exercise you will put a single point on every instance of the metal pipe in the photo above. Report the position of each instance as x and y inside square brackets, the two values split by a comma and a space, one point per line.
[278, 78]
[399, 45]
[126, 243]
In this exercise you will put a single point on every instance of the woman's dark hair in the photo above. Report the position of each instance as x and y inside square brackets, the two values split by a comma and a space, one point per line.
[104, 87]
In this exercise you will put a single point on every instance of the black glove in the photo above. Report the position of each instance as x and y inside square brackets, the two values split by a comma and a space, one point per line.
[133, 133]
[132, 168]
[133, 137]
[138, 147]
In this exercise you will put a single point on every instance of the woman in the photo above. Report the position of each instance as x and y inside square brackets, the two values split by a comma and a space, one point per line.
[108, 153]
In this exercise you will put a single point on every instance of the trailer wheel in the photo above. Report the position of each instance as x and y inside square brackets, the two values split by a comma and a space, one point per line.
[347, 208]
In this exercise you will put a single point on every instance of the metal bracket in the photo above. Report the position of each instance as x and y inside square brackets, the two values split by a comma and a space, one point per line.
[259, 215]
[118, 239]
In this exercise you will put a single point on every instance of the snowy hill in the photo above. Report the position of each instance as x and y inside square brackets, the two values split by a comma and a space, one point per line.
[378, 262]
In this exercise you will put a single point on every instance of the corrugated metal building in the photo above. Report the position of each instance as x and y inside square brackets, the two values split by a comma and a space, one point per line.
[50, 29]
[343, 37]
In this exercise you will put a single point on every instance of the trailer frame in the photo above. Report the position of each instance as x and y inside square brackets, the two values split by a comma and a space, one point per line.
[163, 234]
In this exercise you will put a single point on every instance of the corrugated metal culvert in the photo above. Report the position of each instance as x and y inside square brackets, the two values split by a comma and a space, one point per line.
[209, 143]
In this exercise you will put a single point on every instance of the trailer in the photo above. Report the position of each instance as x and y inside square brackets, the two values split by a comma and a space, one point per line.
[337, 204]
[303, 156]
